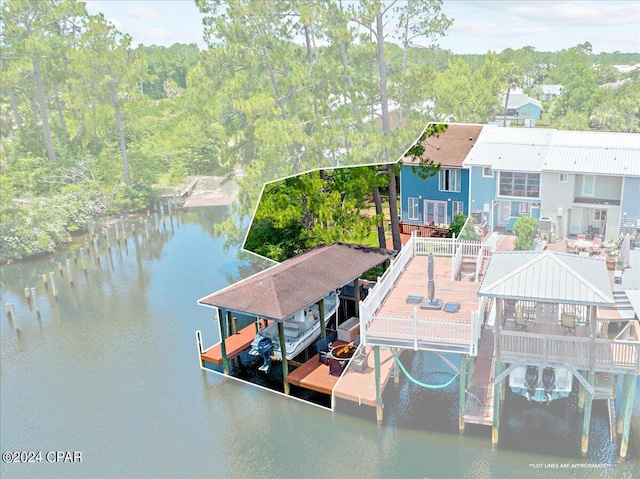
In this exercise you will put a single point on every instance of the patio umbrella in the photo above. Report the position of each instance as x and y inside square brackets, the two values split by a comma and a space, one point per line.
[431, 286]
[625, 249]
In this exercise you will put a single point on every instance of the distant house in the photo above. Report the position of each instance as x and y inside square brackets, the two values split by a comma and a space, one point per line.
[551, 92]
[436, 200]
[522, 107]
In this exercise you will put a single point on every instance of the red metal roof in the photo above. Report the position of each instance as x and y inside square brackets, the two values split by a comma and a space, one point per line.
[298, 282]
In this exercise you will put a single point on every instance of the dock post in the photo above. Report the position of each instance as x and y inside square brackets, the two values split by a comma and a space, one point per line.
[323, 324]
[581, 391]
[200, 349]
[52, 280]
[27, 295]
[283, 353]
[69, 272]
[495, 431]
[223, 346]
[35, 302]
[463, 391]
[586, 420]
[396, 371]
[83, 260]
[234, 321]
[623, 403]
[356, 296]
[629, 390]
[7, 310]
[45, 281]
[376, 365]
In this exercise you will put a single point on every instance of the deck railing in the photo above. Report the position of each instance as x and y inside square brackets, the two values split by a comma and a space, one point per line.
[582, 353]
[425, 333]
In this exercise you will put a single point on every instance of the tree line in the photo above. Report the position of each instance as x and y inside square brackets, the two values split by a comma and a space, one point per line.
[90, 123]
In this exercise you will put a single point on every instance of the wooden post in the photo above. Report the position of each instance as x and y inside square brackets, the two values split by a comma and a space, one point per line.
[75, 257]
[52, 280]
[283, 353]
[35, 302]
[629, 390]
[234, 321]
[586, 420]
[223, 346]
[200, 348]
[396, 371]
[376, 366]
[581, 391]
[495, 431]
[27, 294]
[45, 281]
[7, 310]
[69, 272]
[623, 403]
[463, 391]
[60, 270]
[14, 317]
[157, 222]
[83, 260]
[356, 295]
[323, 324]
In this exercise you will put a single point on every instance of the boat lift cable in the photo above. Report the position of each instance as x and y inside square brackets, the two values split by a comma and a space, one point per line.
[420, 383]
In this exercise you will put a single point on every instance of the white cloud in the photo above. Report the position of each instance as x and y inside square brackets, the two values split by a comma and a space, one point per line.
[142, 13]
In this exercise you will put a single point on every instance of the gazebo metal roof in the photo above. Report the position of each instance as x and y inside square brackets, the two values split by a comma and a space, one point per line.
[548, 277]
[298, 282]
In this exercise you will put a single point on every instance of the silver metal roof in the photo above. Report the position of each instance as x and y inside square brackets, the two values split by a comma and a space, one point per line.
[548, 276]
[510, 149]
[589, 152]
[634, 298]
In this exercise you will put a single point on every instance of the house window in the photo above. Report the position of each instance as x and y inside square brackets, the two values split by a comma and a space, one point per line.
[563, 178]
[600, 215]
[588, 185]
[487, 172]
[449, 180]
[457, 207]
[520, 184]
[412, 209]
[525, 208]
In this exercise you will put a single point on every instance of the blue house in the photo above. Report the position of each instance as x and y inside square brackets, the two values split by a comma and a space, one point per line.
[505, 172]
[437, 199]
[522, 107]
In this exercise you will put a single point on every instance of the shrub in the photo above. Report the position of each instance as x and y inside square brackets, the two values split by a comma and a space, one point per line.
[525, 228]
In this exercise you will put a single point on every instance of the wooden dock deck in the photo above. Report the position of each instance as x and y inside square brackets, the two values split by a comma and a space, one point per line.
[313, 375]
[479, 400]
[360, 387]
[235, 344]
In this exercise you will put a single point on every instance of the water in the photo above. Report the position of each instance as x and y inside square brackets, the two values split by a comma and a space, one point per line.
[111, 370]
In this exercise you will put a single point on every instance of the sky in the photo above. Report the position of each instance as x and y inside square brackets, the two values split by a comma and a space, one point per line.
[479, 26]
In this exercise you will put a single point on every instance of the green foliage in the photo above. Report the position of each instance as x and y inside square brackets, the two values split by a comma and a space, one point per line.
[456, 225]
[525, 229]
[468, 232]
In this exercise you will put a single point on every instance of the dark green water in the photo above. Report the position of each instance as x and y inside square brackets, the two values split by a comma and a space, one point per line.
[111, 370]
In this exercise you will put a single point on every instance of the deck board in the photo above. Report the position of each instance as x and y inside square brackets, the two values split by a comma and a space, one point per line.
[235, 344]
[313, 375]
[479, 400]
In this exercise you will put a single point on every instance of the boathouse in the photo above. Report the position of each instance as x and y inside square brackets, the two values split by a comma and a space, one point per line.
[279, 292]
[552, 310]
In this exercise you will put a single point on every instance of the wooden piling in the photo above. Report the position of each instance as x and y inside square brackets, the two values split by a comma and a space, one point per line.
[7, 310]
[74, 257]
[146, 230]
[283, 353]
[356, 296]
[108, 239]
[396, 371]
[234, 322]
[323, 324]
[27, 294]
[69, 272]
[462, 400]
[495, 430]
[35, 302]
[200, 348]
[223, 346]
[376, 368]
[14, 315]
[157, 222]
[83, 260]
[586, 420]
[52, 279]
[45, 281]
[60, 270]
[629, 390]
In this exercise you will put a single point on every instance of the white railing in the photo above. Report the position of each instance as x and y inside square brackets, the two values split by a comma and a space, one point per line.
[582, 353]
[456, 263]
[479, 260]
[425, 334]
[437, 246]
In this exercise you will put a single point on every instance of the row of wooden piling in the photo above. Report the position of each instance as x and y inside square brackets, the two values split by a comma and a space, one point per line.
[81, 257]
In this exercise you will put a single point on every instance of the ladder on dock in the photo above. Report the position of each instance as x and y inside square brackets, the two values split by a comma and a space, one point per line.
[611, 406]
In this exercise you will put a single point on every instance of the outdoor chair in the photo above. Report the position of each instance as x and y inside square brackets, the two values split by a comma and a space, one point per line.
[597, 245]
[569, 246]
[568, 323]
[582, 237]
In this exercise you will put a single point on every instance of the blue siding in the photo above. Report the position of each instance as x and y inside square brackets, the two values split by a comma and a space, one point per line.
[631, 200]
[411, 185]
[483, 190]
[529, 111]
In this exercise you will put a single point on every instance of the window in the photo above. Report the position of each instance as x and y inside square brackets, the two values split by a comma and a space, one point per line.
[457, 207]
[487, 172]
[525, 208]
[563, 178]
[588, 185]
[412, 209]
[600, 215]
[449, 180]
[520, 184]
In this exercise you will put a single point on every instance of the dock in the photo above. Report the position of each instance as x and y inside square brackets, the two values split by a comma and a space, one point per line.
[479, 394]
[235, 345]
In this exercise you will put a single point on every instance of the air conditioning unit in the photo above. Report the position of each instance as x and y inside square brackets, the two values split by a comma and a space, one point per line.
[559, 213]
